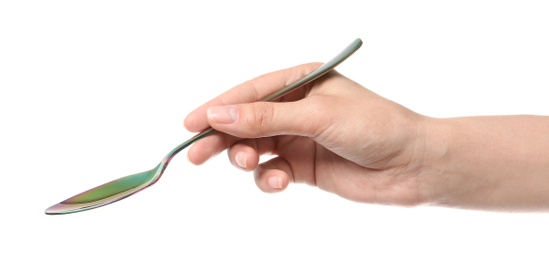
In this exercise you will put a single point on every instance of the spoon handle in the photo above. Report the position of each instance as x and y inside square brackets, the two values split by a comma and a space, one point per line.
[317, 73]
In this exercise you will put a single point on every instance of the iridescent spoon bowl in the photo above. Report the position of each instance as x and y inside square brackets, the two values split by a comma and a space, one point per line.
[126, 186]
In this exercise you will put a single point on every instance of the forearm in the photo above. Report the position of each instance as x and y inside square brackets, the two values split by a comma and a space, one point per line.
[499, 162]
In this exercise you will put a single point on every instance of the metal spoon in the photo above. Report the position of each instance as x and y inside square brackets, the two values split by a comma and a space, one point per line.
[126, 186]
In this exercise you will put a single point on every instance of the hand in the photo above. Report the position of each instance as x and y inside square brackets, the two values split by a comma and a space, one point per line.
[333, 133]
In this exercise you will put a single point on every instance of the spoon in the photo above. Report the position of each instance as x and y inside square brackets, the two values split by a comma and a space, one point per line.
[126, 186]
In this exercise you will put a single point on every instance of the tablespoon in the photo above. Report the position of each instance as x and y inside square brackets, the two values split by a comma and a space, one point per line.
[126, 186]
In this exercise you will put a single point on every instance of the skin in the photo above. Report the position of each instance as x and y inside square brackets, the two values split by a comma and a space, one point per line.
[339, 136]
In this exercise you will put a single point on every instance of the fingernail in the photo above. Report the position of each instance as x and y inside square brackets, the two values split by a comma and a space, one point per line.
[275, 182]
[240, 159]
[223, 114]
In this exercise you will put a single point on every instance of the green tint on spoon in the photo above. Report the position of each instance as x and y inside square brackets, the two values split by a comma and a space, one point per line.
[126, 186]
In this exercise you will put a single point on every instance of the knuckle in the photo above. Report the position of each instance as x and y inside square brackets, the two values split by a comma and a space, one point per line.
[252, 91]
[261, 116]
[318, 119]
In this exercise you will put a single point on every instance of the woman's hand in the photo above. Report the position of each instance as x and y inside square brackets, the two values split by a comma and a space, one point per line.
[341, 137]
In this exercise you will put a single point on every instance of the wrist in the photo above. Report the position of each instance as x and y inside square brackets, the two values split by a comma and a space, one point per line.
[434, 182]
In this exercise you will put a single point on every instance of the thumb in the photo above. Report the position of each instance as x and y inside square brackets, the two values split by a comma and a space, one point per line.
[262, 119]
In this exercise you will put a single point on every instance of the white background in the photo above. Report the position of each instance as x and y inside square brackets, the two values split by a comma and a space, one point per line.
[94, 90]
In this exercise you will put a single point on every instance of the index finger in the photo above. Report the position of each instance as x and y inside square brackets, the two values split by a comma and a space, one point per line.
[249, 91]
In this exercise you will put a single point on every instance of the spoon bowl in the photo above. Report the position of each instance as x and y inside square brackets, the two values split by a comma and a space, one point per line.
[126, 186]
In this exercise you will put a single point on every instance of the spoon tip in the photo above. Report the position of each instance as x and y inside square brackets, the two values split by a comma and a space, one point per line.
[56, 209]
